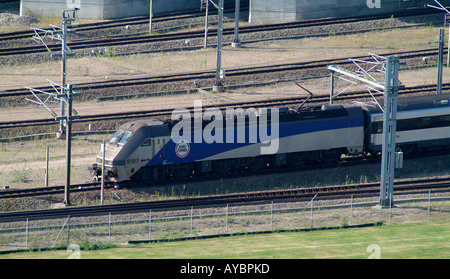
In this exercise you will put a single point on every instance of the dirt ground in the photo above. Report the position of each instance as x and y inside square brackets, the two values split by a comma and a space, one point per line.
[96, 68]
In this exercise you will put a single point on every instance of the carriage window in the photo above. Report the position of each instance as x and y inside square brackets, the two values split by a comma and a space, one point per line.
[377, 127]
[148, 142]
[124, 138]
[444, 120]
[407, 124]
[380, 127]
[415, 123]
[117, 135]
[425, 123]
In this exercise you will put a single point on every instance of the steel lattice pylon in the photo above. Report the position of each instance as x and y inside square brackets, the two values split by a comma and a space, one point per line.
[391, 86]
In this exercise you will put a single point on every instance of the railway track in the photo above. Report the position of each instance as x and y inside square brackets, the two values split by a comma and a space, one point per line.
[26, 34]
[166, 113]
[209, 74]
[345, 162]
[40, 191]
[108, 42]
[141, 20]
[52, 190]
[330, 192]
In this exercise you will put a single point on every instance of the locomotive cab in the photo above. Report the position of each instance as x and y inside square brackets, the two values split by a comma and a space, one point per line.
[112, 149]
[131, 147]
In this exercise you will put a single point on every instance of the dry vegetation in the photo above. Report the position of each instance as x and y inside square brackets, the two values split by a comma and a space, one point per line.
[22, 164]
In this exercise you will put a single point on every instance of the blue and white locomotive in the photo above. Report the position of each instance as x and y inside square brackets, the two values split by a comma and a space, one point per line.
[146, 150]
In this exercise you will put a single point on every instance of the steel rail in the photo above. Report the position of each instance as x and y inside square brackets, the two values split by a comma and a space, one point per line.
[369, 189]
[185, 35]
[233, 72]
[144, 20]
[164, 113]
[52, 190]
[347, 162]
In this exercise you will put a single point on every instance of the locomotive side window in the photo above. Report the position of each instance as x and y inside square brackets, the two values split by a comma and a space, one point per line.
[117, 135]
[124, 138]
[148, 142]
[153, 150]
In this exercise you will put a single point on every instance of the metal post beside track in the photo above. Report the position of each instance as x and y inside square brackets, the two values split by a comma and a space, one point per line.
[271, 216]
[390, 91]
[391, 88]
[150, 226]
[26, 244]
[205, 46]
[150, 24]
[102, 191]
[68, 99]
[192, 216]
[236, 42]
[66, 19]
[351, 211]
[46, 166]
[331, 87]
[440, 60]
[109, 223]
[226, 221]
[218, 87]
[68, 145]
[65, 95]
[429, 204]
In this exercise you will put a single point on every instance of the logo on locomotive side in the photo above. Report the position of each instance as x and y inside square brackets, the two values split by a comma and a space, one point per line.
[374, 4]
[241, 126]
[182, 148]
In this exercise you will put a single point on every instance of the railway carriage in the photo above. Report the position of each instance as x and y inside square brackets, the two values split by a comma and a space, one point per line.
[423, 124]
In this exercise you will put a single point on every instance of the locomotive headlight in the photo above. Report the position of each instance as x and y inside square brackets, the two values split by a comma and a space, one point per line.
[107, 162]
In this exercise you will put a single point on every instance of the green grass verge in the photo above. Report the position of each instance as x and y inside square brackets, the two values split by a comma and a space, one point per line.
[401, 241]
